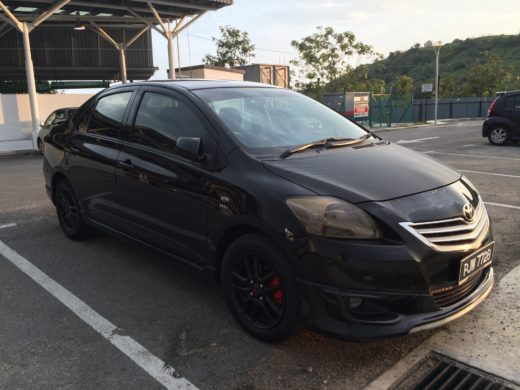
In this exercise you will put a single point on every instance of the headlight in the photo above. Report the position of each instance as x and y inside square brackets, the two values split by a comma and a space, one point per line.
[331, 217]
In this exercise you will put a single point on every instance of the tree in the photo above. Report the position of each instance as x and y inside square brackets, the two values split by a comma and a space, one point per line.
[487, 75]
[403, 85]
[323, 56]
[234, 48]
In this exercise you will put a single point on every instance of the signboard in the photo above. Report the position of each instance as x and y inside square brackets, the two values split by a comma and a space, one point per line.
[427, 88]
[361, 106]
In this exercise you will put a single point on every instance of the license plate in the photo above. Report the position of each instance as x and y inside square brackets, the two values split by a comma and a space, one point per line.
[475, 262]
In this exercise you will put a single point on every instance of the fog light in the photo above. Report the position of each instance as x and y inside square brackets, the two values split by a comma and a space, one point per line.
[355, 302]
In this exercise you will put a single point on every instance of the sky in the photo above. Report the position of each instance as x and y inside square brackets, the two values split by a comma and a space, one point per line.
[387, 25]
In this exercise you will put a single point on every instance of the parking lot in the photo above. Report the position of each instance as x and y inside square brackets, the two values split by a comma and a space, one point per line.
[178, 318]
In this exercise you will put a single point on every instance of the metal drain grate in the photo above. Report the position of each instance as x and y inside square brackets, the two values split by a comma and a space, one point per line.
[440, 372]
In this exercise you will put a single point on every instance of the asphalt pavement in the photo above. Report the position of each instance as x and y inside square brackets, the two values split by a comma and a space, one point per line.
[172, 312]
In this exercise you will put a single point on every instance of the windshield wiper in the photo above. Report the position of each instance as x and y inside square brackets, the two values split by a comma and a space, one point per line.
[327, 143]
[303, 147]
[339, 142]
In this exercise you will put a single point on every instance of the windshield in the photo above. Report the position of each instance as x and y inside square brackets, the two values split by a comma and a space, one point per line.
[267, 118]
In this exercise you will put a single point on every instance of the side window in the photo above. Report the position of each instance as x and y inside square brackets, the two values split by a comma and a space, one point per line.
[162, 119]
[513, 102]
[50, 119]
[60, 116]
[107, 117]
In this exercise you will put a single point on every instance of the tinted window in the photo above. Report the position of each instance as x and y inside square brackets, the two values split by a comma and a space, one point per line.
[61, 115]
[513, 102]
[50, 119]
[162, 119]
[107, 117]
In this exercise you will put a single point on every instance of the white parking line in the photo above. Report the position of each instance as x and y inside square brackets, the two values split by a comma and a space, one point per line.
[491, 174]
[413, 141]
[150, 363]
[7, 225]
[509, 206]
[473, 155]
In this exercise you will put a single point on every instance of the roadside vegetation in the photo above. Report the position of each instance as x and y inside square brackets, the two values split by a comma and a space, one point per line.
[474, 67]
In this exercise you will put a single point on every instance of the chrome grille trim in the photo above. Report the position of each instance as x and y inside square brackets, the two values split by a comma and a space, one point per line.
[454, 234]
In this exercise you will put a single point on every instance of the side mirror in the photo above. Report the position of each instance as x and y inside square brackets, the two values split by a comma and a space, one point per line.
[190, 148]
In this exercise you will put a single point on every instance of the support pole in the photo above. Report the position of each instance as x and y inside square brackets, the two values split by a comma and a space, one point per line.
[171, 54]
[122, 63]
[31, 83]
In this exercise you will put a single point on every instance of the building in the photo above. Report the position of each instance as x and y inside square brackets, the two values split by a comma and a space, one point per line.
[209, 72]
[278, 75]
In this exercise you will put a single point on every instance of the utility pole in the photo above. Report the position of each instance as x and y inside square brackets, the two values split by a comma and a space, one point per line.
[437, 46]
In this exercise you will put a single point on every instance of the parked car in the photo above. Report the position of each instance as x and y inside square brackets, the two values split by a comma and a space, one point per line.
[300, 214]
[502, 124]
[55, 118]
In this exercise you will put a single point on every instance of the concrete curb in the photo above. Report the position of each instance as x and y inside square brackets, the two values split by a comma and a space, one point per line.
[486, 339]
[29, 152]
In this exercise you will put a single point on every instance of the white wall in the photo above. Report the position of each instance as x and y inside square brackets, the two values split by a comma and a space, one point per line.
[15, 112]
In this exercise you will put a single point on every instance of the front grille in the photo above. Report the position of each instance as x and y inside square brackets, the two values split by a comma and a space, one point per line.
[448, 296]
[455, 234]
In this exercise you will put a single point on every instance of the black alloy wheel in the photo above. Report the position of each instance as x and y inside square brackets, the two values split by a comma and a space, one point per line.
[260, 288]
[258, 291]
[68, 211]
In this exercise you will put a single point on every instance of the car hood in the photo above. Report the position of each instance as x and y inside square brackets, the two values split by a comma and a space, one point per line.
[367, 172]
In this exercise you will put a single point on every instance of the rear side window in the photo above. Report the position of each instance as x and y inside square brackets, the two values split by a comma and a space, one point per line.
[107, 117]
[513, 102]
[50, 119]
[162, 119]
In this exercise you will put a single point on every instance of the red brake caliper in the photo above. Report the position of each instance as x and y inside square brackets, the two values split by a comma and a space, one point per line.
[277, 294]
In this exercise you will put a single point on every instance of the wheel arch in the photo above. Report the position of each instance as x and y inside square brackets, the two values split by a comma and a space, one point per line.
[230, 235]
[494, 122]
[56, 178]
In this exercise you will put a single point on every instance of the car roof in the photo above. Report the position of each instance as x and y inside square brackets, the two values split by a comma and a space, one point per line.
[194, 84]
[507, 93]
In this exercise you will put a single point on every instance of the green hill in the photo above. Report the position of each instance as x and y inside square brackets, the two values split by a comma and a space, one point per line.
[471, 67]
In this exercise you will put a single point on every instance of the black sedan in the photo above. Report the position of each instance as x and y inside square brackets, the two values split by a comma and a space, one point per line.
[301, 215]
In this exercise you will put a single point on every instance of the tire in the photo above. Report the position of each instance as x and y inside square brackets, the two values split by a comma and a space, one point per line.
[499, 135]
[260, 288]
[68, 211]
[39, 142]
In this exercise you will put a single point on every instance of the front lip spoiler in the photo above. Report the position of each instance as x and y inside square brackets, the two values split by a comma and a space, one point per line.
[488, 285]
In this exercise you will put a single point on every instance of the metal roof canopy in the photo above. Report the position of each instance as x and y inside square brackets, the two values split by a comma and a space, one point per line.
[26, 15]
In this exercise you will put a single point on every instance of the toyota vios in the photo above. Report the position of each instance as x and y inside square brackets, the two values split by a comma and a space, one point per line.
[301, 215]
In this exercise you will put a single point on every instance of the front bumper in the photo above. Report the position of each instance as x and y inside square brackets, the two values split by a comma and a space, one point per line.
[383, 317]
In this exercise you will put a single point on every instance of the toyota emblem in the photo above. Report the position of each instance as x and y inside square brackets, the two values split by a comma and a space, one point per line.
[468, 212]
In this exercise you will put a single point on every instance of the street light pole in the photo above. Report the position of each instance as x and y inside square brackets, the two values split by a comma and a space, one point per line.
[437, 46]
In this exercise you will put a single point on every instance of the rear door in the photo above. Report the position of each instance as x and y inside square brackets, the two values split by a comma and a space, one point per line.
[163, 196]
[92, 150]
[512, 109]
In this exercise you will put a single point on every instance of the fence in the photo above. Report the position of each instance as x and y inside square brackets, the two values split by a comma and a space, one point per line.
[449, 108]
[386, 109]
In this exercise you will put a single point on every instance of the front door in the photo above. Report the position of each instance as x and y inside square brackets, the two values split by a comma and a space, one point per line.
[163, 197]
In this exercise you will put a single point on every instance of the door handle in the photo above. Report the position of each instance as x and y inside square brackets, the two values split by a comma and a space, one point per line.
[126, 164]
[73, 149]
